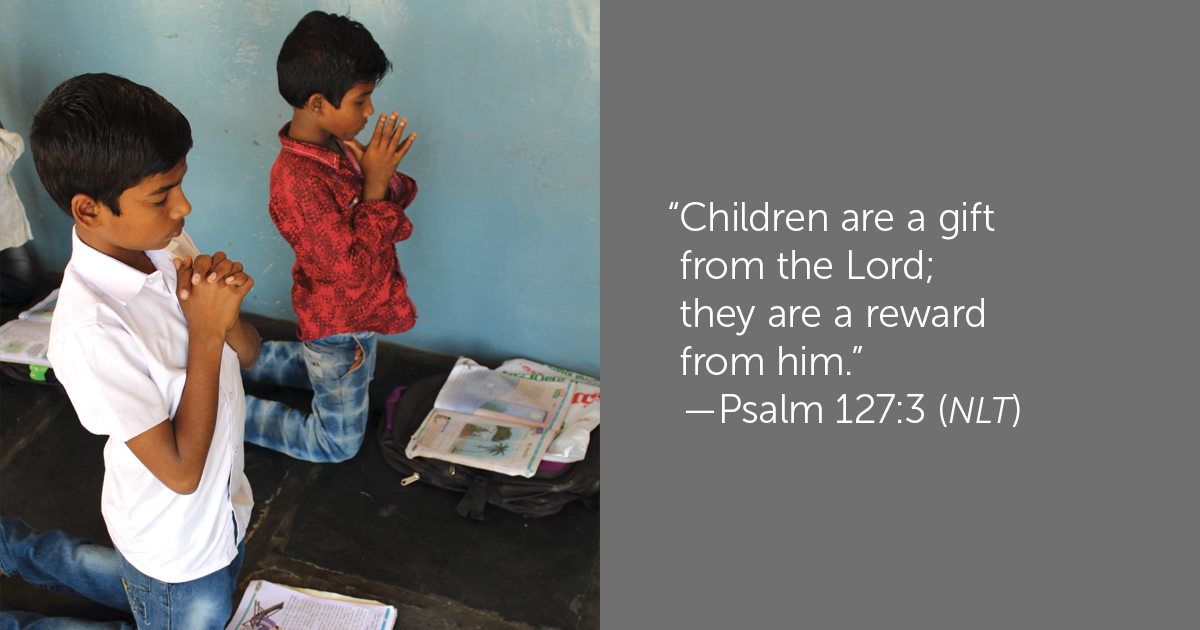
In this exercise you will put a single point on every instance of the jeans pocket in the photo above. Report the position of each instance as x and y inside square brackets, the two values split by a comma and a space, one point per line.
[333, 359]
[317, 359]
[320, 347]
[360, 358]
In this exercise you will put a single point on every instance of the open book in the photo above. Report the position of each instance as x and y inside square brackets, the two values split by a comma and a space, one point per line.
[492, 421]
[269, 606]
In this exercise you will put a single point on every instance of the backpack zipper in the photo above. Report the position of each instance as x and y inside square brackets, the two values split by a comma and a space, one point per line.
[415, 476]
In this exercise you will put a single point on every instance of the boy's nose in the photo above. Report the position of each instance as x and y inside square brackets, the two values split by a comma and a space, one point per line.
[184, 207]
[370, 108]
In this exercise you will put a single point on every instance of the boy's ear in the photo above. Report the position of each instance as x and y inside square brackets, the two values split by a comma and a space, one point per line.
[315, 104]
[87, 211]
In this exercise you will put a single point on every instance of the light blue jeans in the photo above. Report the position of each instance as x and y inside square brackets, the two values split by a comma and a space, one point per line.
[60, 562]
[334, 431]
[204, 604]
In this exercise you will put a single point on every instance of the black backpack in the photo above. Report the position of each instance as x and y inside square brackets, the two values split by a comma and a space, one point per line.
[541, 495]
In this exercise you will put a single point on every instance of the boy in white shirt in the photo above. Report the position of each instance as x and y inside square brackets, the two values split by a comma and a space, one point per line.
[157, 374]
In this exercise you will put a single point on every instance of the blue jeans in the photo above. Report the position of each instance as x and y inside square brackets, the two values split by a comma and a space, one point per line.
[204, 604]
[334, 431]
[60, 562]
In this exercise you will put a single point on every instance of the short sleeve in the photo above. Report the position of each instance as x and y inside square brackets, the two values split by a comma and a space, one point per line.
[109, 384]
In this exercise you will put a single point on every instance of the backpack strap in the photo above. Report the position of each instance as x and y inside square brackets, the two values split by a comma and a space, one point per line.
[475, 499]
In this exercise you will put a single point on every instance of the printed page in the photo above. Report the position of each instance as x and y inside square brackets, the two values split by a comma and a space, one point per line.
[268, 606]
[533, 370]
[25, 341]
[475, 390]
[582, 415]
[511, 449]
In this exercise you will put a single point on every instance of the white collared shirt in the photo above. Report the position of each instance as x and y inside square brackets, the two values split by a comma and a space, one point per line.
[119, 345]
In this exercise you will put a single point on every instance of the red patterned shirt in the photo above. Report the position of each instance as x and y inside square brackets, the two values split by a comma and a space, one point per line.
[346, 278]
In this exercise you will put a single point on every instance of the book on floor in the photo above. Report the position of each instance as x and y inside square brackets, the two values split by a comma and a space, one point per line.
[269, 606]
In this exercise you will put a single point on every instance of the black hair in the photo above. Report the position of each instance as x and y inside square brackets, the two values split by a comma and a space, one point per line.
[100, 135]
[328, 54]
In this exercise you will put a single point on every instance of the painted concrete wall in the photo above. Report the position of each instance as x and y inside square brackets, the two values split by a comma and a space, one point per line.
[505, 99]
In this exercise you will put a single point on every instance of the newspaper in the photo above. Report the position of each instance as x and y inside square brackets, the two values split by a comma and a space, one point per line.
[508, 448]
[269, 606]
[583, 414]
[492, 421]
[475, 390]
[25, 341]
[533, 370]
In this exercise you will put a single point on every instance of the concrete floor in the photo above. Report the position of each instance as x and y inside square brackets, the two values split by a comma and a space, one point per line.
[349, 528]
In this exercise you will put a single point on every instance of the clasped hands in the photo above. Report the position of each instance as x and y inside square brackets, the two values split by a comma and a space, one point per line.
[211, 289]
[381, 156]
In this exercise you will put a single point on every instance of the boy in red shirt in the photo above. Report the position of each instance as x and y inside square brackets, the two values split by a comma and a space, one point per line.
[340, 205]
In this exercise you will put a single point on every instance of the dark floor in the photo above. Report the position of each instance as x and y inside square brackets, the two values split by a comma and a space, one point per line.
[349, 528]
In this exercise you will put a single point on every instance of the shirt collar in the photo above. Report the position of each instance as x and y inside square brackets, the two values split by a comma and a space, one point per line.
[310, 151]
[111, 276]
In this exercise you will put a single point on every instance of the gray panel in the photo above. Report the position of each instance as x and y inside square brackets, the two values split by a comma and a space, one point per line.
[1076, 126]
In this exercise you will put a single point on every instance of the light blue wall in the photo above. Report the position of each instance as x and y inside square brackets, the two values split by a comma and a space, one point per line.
[505, 99]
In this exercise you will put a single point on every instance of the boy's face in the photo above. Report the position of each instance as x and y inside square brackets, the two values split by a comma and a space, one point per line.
[152, 214]
[347, 121]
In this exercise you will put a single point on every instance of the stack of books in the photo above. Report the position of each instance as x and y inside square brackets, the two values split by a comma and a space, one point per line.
[492, 420]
